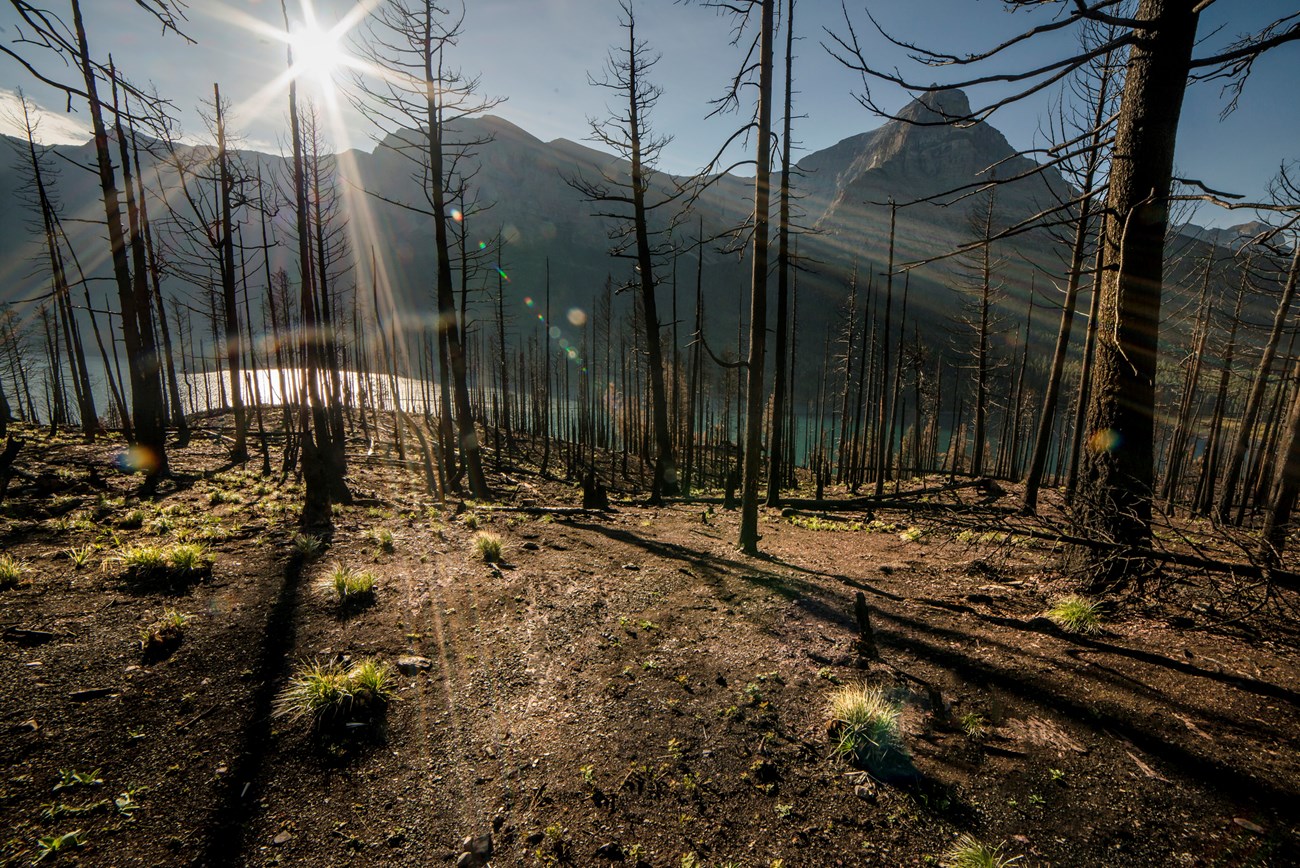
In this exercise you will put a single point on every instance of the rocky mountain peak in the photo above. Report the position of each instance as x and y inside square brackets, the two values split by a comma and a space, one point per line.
[939, 105]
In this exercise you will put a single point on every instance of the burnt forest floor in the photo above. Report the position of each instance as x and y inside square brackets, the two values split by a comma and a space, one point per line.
[624, 687]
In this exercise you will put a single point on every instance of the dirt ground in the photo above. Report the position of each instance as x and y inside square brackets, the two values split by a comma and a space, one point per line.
[625, 687]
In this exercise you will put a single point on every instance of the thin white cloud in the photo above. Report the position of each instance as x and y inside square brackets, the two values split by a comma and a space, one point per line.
[51, 127]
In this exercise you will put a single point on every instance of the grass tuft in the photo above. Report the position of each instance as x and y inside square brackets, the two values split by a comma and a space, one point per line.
[382, 537]
[488, 547]
[329, 693]
[164, 634]
[308, 545]
[968, 852]
[1076, 614]
[11, 571]
[864, 724]
[348, 586]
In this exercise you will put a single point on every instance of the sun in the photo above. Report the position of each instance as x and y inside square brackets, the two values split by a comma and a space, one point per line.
[318, 53]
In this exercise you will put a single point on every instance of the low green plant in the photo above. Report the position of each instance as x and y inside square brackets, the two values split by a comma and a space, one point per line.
[470, 520]
[912, 534]
[188, 557]
[974, 725]
[73, 778]
[488, 547]
[383, 539]
[968, 852]
[165, 633]
[371, 681]
[11, 571]
[308, 545]
[132, 520]
[1076, 614]
[329, 692]
[348, 586]
[52, 845]
[864, 724]
[144, 557]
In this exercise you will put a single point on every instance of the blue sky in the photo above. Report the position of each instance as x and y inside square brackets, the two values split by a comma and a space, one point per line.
[537, 54]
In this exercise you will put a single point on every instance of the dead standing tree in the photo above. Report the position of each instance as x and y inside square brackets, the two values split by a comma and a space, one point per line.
[418, 95]
[627, 133]
[42, 30]
[756, 69]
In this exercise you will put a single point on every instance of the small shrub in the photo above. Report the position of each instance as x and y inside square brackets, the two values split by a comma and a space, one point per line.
[864, 724]
[968, 852]
[1076, 614]
[470, 520]
[308, 545]
[348, 586]
[488, 546]
[11, 571]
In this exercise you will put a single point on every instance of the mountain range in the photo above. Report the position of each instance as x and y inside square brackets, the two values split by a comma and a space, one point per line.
[843, 194]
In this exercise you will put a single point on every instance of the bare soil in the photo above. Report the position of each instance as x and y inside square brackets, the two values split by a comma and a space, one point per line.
[625, 687]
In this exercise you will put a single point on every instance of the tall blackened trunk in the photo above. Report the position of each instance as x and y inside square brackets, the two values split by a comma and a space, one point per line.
[1119, 464]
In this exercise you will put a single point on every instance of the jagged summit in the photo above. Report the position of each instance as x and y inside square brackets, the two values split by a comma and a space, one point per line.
[938, 105]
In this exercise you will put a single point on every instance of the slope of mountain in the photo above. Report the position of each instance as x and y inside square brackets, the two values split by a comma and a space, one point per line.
[518, 189]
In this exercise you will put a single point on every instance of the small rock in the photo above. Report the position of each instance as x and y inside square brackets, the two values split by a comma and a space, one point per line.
[411, 664]
[475, 852]
[282, 838]
[631, 567]
[612, 851]
[1248, 825]
[864, 792]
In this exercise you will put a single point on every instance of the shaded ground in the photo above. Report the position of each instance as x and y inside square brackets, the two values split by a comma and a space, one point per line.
[626, 685]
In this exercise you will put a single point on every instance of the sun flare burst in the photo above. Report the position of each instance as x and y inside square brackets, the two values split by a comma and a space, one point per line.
[318, 53]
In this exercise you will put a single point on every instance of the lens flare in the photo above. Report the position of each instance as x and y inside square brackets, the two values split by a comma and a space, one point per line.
[137, 459]
[459, 217]
[1105, 440]
[577, 317]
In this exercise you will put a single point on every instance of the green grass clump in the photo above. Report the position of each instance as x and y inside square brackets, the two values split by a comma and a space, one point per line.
[144, 557]
[1076, 614]
[383, 539]
[968, 852]
[308, 545]
[180, 560]
[814, 522]
[188, 557]
[329, 693]
[348, 586]
[864, 724]
[80, 555]
[488, 547]
[165, 633]
[11, 571]
[132, 520]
